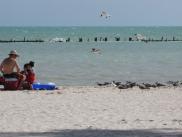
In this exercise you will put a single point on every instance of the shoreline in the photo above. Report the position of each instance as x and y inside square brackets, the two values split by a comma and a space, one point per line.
[91, 110]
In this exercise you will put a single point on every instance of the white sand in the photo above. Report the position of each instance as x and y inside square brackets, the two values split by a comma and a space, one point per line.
[91, 111]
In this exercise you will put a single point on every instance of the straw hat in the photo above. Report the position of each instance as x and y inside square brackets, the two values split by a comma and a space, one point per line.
[13, 52]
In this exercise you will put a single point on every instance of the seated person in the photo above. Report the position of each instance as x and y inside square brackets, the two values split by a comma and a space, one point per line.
[30, 75]
[10, 68]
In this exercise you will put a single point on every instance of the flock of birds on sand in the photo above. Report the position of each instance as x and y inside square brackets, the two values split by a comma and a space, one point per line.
[130, 84]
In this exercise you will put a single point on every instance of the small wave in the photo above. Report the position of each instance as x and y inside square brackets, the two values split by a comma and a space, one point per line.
[58, 40]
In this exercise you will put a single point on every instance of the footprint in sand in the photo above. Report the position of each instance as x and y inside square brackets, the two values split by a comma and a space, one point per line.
[123, 121]
[180, 122]
[177, 121]
[137, 120]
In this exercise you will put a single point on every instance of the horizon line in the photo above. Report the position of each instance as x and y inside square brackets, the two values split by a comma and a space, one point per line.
[90, 26]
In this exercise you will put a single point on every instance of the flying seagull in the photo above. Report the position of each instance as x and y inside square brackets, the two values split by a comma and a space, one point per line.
[105, 14]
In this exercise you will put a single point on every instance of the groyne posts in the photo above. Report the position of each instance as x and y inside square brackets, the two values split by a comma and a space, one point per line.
[80, 40]
[117, 38]
[68, 39]
[12, 41]
[97, 39]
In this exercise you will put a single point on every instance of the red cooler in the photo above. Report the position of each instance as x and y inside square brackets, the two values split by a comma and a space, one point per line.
[10, 84]
[1, 80]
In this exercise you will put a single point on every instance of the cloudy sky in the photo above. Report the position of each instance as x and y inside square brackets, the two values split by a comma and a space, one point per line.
[86, 12]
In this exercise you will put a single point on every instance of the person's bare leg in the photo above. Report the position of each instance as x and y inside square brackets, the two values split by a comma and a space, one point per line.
[21, 79]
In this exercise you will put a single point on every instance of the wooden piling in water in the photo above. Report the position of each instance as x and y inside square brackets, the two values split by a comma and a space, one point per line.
[117, 38]
[68, 39]
[80, 39]
[95, 39]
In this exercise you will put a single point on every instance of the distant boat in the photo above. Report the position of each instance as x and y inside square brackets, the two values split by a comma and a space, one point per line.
[139, 37]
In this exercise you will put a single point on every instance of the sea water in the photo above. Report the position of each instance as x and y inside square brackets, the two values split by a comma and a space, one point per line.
[73, 63]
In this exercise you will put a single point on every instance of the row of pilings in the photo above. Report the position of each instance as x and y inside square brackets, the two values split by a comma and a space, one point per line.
[95, 39]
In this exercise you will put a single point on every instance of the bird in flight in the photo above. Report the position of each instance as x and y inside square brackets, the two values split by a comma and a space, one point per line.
[105, 14]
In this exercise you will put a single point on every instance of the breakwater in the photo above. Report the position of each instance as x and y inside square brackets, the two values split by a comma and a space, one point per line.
[95, 39]
[23, 40]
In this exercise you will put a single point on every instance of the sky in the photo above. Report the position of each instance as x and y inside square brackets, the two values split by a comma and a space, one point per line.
[86, 12]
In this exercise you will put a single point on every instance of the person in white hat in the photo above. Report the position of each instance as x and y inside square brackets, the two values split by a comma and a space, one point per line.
[10, 68]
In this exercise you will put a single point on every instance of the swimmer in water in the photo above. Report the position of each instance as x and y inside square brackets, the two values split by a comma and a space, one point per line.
[94, 50]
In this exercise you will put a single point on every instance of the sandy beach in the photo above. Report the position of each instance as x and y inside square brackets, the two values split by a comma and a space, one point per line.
[91, 111]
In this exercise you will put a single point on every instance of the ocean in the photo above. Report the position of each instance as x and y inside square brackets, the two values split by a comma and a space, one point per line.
[73, 64]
